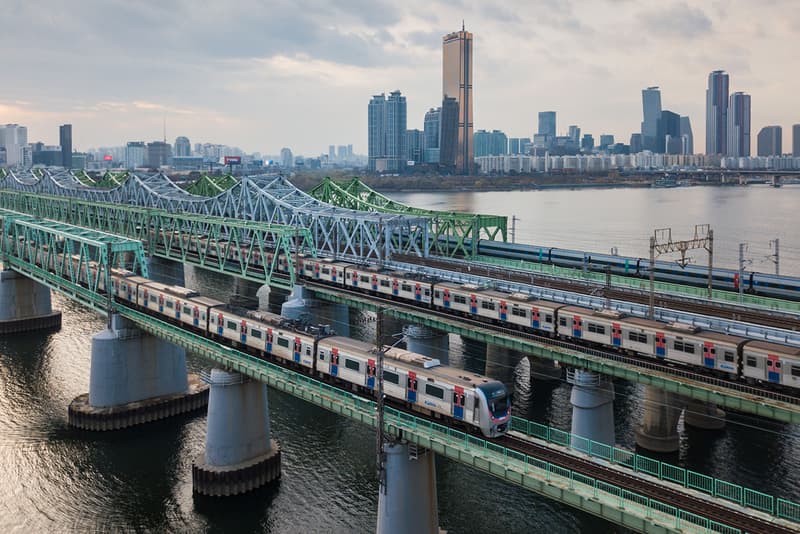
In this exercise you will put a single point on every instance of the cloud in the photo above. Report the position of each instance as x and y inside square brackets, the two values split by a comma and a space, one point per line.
[677, 20]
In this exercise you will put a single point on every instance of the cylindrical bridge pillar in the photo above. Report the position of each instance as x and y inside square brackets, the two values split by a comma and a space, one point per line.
[703, 415]
[240, 455]
[409, 502]
[592, 401]
[659, 429]
[25, 304]
[427, 341]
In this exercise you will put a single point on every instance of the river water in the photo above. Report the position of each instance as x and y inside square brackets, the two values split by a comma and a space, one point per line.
[58, 479]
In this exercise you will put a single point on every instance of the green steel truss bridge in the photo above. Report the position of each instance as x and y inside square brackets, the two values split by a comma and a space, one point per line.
[451, 233]
[212, 185]
[271, 199]
[26, 239]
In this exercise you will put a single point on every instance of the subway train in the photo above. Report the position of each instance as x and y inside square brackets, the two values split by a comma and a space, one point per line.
[768, 285]
[421, 383]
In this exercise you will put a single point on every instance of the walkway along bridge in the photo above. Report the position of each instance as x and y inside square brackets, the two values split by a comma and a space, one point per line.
[673, 500]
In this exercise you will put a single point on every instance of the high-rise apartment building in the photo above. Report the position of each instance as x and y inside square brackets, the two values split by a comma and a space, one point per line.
[387, 119]
[717, 113]
[687, 138]
[14, 138]
[432, 127]
[770, 141]
[739, 125]
[796, 140]
[494, 143]
[135, 154]
[65, 140]
[457, 84]
[651, 111]
[414, 146]
[287, 158]
[158, 154]
[183, 148]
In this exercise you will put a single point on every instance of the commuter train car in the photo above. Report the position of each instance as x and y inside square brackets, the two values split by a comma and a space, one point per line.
[771, 363]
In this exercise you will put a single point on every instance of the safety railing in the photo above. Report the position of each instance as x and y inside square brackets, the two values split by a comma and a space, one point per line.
[687, 478]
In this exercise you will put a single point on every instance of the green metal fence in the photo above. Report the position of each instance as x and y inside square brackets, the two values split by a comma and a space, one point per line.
[687, 478]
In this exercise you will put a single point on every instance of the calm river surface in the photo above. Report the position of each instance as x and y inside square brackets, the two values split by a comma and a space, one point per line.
[56, 479]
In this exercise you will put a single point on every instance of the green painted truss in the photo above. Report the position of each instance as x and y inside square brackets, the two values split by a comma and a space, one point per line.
[212, 185]
[451, 233]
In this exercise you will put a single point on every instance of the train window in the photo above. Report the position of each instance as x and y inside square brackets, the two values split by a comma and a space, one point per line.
[187, 310]
[283, 342]
[406, 287]
[427, 292]
[153, 298]
[255, 333]
[636, 337]
[688, 348]
[487, 305]
[325, 270]
[777, 365]
[729, 356]
[170, 304]
[434, 391]
[352, 364]
[308, 267]
[321, 356]
[437, 294]
[308, 351]
[459, 299]
[795, 370]
[391, 377]
[562, 321]
[596, 328]
[364, 279]
[519, 312]
[385, 283]
[751, 361]
[548, 318]
[231, 325]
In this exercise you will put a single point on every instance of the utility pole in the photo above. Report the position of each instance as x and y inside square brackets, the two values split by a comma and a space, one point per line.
[380, 462]
[109, 296]
[775, 257]
[742, 248]
[608, 287]
[514, 220]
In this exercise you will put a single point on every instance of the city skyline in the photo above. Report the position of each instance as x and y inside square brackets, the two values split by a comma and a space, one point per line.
[293, 64]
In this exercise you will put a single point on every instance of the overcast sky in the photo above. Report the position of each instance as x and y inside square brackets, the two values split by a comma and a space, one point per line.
[299, 73]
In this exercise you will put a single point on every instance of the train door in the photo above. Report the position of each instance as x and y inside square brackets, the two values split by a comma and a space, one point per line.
[576, 326]
[371, 374]
[269, 340]
[130, 292]
[616, 334]
[374, 282]
[220, 323]
[412, 386]
[446, 298]
[773, 368]
[177, 309]
[146, 299]
[661, 345]
[354, 278]
[709, 354]
[458, 402]
[473, 304]
[256, 257]
[395, 287]
[503, 311]
[243, 333]
[298, 347]
[196, 317]
[535, 317]
[736, 281]
[334, 361]
[333, 274]
[418, 292]
[160, 303]
[316, 271]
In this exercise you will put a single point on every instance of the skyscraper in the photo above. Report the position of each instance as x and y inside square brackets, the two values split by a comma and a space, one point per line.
[796, 140]
[387, 120]
[575, 134]
[547, 123]
[158, 154]
[448, 141]
[135, 153]
[457, 84]
[65, 140]
[669, 132]
[287, 158]
[14, 138]
[739, 125]
[414, 146]
[770, 142]
[183, 148]
[651, 107]
[636, 143]
[432, 127]
[687, 138]
[717, 113]
[376, 127]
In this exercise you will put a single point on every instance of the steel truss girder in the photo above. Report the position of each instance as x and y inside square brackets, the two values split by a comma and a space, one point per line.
[223, 245]
[212, 185]
[79, 255]
[452, 233]
[268, 198]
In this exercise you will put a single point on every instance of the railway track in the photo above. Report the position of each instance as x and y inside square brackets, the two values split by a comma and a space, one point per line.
[735, 313]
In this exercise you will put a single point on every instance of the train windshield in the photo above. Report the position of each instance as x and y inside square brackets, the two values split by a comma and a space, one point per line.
[497, 397]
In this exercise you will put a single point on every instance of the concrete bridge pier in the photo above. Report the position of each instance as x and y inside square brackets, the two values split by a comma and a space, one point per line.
[703, 415]
[25, 304]
[500, 363]
[240, 455]
[543, 369]
[427, 341]
[659, 429]
[409, 504]
[165, 271]
[299, 305]
[592, 400]
[245, 293]
[262, 295]
[135, 378]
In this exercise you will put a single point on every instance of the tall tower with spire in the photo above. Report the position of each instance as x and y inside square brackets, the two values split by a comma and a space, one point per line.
[457, 150]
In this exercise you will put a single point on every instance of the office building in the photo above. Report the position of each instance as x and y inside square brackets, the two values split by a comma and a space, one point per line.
[65, 141]
[514, 145]
[414, 146]
[547, 124]
[341, 153]
[606, 141]
[796, 140]
[687, 138]
[14, 138]
[457, 84]
[651, 111]
[49, 156]
[386, 129]
[432, 128]
[669, 133]
[587, 143]
[494, 143]
[575, 134]
[183, 148]
[158, 154]
[135, 154]
[287, 158]
[717, 113]
[448, 141]
[770, 142]
[739, 125]
[636, 143]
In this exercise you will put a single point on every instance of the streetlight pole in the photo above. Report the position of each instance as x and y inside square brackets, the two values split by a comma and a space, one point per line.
[379, 436]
